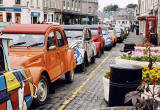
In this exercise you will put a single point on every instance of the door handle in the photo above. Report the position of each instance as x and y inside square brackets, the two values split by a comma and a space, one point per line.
[12, 79]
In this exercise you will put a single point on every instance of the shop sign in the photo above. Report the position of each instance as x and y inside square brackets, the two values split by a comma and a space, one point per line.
[35, 14]
[11, 9]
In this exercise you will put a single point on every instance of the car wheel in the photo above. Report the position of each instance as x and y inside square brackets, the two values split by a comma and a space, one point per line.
[99, 53]
[92, 59]
[83, 67]
[102, 50]
[42, 91]
[69, 76]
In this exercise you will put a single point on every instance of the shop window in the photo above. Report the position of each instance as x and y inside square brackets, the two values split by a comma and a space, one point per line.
[17, 1]
[9, 17]
[1, 1]
[1, 17]
[2, 64]
[18, 18]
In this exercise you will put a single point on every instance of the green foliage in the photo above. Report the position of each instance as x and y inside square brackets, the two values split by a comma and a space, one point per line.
[155, 58]
[110, 8]
[131, 6]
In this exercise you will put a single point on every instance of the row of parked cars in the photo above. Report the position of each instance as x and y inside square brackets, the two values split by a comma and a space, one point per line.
[39, 54]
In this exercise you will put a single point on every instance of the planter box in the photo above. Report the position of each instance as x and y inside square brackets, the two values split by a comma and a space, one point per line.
[106, 88]
[119, 60]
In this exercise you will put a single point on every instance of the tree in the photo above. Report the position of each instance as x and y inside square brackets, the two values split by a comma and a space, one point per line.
[131, 6]
[110, 8]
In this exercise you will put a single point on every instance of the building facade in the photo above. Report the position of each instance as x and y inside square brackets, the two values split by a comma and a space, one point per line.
[90, 10]
[147, 8]
[21, 11]
[37, 11]
[122, 16]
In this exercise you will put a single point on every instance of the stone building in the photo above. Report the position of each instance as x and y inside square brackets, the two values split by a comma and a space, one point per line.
[147, 8]
[37, 11]
[90, 10]
[21, 11]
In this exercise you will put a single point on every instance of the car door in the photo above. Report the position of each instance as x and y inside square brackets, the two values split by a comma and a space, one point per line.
[52, 56]
[63, 48]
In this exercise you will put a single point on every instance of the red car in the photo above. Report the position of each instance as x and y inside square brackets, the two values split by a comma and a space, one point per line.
[98, 39]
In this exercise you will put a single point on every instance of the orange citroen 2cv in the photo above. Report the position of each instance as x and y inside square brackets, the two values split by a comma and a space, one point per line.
[44, 50]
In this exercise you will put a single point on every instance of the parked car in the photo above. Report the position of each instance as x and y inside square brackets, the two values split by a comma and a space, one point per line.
[79, 39]
[113, 36]
[17, 89]
[107, 38]
[119, 34]
[99, 41]
[44, 50]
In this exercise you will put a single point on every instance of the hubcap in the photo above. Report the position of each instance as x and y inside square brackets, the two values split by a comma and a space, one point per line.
[42, 90]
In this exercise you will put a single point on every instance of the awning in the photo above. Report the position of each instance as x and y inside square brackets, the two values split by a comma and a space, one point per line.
[141, 18]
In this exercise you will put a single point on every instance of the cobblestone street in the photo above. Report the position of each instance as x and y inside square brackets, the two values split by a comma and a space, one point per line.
[86, 92]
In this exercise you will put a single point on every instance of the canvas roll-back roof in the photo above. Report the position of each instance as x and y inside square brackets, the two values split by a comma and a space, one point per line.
[28, 28]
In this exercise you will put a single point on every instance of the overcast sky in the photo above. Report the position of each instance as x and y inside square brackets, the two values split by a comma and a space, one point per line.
[120, 3]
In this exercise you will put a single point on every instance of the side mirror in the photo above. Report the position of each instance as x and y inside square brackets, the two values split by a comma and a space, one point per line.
[52, 47]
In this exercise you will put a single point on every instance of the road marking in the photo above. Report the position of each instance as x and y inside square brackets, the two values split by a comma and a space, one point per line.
[77, 90]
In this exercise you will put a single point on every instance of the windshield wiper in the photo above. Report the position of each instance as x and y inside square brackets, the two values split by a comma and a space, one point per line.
[19, 43]
[36, 44]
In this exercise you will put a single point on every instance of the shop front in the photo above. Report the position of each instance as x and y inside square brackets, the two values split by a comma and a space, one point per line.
[10, 15]
[35, 17]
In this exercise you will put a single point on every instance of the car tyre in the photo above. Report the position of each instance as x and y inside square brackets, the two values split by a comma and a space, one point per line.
[42, 91]
[93, 59]
[83, 67]
[99, 53]
[69, 76]
[102, 50]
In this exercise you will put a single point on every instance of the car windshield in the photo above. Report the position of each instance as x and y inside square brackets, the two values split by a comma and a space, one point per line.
[94, 31]
[74, 33]
[26, 40]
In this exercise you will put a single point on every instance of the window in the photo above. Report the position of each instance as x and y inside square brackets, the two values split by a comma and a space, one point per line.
[89, 9]
[51, 40]
[1, 1]
[2, 64]
[64, 3]
[1, 17]
[60, 39]
[18, 2]
[37, 3]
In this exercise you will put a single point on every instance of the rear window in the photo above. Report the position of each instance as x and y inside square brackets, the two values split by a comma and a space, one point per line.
[94, 32]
